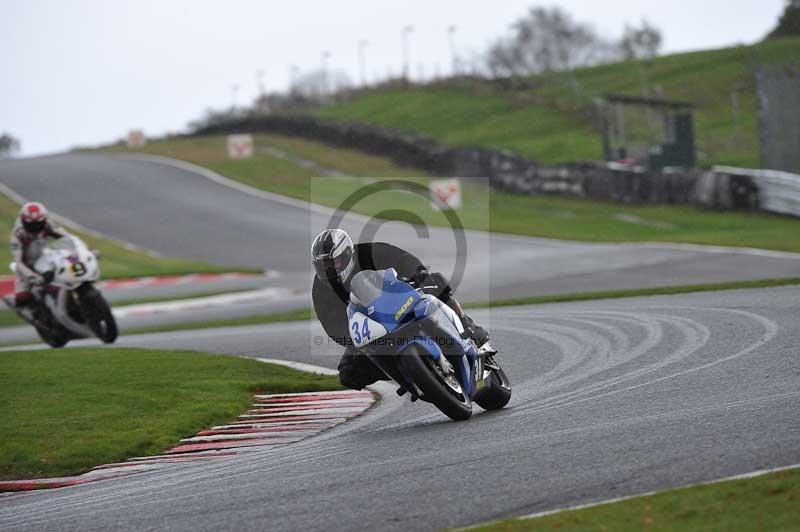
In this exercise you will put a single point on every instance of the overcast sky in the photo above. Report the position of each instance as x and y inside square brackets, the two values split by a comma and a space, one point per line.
[84, 72]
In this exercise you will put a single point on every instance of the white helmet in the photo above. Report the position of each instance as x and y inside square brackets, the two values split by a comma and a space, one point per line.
[332, 254]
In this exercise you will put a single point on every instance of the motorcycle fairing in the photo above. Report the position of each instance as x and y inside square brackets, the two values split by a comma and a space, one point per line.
[382, 297]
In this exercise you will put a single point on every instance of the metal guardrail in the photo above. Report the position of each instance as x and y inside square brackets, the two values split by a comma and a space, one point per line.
[778, 191]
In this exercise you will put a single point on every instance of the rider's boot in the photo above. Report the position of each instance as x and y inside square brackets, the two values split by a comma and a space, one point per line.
[471, 329]
[475, 331]
[25, 304]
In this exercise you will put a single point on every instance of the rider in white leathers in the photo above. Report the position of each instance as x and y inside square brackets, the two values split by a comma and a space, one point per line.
[28, 238]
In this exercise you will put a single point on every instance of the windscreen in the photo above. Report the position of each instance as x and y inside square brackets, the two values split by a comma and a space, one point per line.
[366, 286]
[66, 242]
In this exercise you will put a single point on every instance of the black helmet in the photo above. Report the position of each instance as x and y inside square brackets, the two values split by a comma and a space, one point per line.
[332, 255]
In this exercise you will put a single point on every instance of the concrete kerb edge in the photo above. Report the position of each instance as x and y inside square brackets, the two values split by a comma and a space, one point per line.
[28, 485]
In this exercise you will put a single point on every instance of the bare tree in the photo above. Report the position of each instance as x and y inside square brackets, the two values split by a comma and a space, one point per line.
[213, 117]
[546, 40]
[319, 85]
[502, 61]
[9, 146]
[643, 42]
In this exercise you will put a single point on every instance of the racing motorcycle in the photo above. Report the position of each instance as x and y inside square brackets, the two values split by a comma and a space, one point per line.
[68, 306]
[419, 342]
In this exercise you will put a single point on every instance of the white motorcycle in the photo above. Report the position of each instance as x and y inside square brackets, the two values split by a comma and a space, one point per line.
[68, 305]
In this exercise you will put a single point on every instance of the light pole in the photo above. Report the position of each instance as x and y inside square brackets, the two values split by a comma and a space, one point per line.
[260, 81]
[362, 68]
[326, 55]
[234, 91]
[451, 41]
[293, 73]
[408, 30]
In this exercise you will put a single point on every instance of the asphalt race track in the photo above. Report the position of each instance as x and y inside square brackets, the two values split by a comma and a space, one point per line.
[611, 398]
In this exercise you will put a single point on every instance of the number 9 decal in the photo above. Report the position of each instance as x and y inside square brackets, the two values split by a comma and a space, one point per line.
[78, 269]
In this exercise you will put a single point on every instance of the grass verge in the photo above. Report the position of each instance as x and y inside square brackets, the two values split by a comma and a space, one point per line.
[308, 314]
[767, 502]
[542, 216]
[116, 261]
[66, 411]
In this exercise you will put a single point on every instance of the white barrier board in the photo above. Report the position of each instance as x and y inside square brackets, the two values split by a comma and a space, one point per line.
[240, 146]
[446, 193]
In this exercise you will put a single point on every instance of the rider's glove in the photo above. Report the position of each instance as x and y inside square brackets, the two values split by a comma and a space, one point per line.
[420, 276]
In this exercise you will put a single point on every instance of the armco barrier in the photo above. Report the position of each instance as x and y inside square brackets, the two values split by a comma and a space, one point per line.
[777, 191]
[722, 187]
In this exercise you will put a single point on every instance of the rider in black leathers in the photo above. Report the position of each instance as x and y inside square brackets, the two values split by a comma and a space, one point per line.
[336, 261]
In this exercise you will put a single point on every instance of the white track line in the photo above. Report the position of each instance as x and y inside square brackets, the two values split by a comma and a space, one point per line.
[230, 183]
[72, 224]
[180, 305]
[300, 366]
[328, 211]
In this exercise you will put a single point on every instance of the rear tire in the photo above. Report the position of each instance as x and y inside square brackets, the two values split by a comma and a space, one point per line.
[54, 338]
[418, 365]
[497, 394]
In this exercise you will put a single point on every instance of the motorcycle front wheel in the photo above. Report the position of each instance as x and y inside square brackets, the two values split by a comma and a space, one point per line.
[441, 390]
[97, 314]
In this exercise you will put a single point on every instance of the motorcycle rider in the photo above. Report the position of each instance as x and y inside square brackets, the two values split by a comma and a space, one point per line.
[336, 260]
[29, 237]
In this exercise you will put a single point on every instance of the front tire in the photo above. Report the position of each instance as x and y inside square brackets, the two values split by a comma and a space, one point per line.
[97, 314]
[419, 366]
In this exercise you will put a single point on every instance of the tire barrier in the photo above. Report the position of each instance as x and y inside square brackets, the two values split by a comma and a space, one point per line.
[768, 190]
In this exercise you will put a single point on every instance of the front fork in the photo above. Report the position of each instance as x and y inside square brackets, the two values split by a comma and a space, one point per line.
[388, 365]
[483, 368]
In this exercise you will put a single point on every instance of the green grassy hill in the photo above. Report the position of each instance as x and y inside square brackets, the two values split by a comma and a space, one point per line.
[546, 123]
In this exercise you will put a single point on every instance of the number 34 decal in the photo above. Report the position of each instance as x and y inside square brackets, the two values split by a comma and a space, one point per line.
[361, 331]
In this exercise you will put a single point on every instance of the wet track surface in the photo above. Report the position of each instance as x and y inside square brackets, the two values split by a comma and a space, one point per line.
[611, 398]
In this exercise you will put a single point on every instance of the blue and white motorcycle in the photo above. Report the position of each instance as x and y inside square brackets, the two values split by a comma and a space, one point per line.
[418, 341]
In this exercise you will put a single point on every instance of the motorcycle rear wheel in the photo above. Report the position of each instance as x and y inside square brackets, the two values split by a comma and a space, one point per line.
[54, 338]
[498, 394]
[419, 366]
